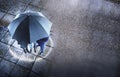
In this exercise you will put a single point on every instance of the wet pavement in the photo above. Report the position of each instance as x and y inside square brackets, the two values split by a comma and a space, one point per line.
[15, 62]
[86, 36]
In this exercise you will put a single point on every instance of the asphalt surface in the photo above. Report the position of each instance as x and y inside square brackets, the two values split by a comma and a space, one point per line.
[86, 36]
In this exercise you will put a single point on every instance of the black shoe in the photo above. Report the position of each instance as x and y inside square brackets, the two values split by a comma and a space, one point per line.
[35, 46]
[40, 53]
[24, 50]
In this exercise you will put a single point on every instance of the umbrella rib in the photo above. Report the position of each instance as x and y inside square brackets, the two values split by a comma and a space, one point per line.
[15, 23]
[28, 28]
[36, 25]
[50, 24]
[22, 27]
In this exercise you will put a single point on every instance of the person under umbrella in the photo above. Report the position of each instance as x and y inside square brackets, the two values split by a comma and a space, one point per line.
[41, 43]
[30, 27]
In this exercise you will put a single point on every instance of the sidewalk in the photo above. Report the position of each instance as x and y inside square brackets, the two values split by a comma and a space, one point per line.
[14, 62]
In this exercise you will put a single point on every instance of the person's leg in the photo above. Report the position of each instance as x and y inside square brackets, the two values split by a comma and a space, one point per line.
[25, 50]
[29, 47]
[42, 43]
[42, 47]
[35, 46]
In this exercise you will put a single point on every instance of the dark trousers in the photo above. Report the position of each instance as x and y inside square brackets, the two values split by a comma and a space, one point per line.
[41, 43]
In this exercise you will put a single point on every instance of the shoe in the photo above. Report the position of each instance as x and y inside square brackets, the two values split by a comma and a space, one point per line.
[40, 53]
[24, 50]
[35, 48]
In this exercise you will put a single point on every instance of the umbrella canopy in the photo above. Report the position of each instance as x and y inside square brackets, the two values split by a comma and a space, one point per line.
[29, 27]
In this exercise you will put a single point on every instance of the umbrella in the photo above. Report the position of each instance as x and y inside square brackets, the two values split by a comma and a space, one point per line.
[29, 27]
